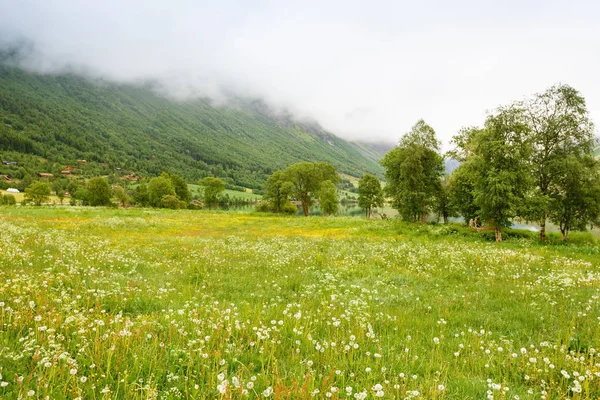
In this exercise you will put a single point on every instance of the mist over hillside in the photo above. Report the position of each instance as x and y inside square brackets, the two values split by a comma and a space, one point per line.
[51, 121]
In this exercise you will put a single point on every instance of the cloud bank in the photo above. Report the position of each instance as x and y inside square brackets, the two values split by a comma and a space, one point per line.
[363, 70]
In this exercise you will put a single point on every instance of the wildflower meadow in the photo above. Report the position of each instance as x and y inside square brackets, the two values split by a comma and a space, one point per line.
[159, 304]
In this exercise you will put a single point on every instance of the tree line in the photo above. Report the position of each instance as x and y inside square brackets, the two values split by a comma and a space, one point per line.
[168, 190]
[531, 160]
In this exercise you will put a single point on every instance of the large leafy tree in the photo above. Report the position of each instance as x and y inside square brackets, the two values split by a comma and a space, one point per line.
[157, 188]
[99, 192]
[461, 184]
[37, 193]
[141, 195]
[180, 186]
[370, 193]
[306, 179]
[277, 192]
[444, 206]
[121, 195]
[575, 194]
[560, 129]
[413, 170]
[212, 189]
[461, 187]
[500, 159]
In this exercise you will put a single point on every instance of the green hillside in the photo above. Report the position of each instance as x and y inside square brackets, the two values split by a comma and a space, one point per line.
[47, 122]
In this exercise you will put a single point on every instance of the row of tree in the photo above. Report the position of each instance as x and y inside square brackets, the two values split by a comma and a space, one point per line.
[531, 160]
[164, 191]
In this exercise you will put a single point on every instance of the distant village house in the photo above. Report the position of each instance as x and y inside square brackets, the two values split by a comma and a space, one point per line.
[131, 177]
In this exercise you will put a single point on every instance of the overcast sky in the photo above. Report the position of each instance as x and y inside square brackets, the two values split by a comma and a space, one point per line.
[363, 69]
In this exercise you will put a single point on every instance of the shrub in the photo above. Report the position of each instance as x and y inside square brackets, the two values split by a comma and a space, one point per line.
[8, 200]
[171, 201]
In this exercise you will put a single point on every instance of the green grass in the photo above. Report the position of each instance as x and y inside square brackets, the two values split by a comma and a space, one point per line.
[143, 304]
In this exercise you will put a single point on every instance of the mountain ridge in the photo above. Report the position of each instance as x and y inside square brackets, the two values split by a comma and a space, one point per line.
[63, 118]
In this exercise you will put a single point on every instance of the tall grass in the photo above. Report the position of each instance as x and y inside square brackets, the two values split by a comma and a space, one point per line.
[149, 304]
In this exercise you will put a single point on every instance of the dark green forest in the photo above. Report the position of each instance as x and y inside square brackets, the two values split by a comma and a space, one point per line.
[48, 122]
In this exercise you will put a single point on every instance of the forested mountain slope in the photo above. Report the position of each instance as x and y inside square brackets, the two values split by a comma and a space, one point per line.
[47, 122]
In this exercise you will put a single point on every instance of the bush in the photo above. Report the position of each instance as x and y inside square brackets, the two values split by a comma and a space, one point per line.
[289, 208]
[266, 206]
[8, 200]
[171, 201]
[263, 206]
[193, 206]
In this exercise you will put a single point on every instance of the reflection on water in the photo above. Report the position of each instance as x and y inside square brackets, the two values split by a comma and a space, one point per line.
[352, 210]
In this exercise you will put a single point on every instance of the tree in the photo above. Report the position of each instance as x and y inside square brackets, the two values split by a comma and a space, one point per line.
[370, 194]
[560, 129]
[141, 196]
[181, 188]
[413, 170]
[56, 186]
[212, 188]
[72, 187]
[444, 206]
[575, 194]
[328, 198]
[80, 194]
[38, 193]
[306, 179]
[121, 195]
[99, 193]
[157, 188]
[61, 195]
[500, 161]
[277, 192]
[461, 187]
[465, 142]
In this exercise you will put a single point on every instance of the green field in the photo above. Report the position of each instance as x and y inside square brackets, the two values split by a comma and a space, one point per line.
[20, 196]
[157, 304]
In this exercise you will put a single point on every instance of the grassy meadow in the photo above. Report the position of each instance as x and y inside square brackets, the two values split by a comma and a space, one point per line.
[159, 304]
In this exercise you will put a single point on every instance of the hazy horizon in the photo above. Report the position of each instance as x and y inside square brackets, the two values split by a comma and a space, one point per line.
[363, 72]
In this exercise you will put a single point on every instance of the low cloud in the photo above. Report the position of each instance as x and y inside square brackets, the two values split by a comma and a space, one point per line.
[362, 70]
